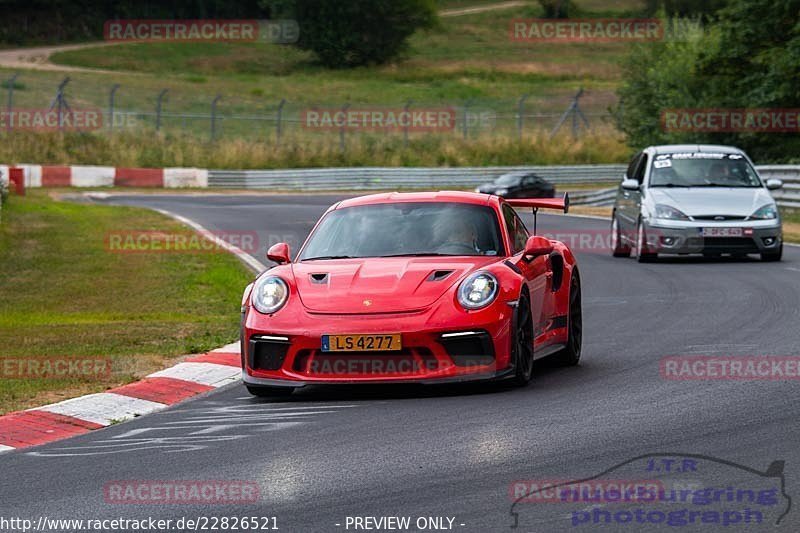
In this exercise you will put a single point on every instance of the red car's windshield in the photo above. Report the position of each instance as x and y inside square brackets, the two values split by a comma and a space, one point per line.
[406, 229]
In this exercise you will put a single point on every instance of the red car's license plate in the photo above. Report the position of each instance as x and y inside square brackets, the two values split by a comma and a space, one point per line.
[722, 232]
[361, 343]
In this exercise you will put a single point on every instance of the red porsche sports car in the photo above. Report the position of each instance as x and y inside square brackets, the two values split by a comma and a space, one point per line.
[413, 287]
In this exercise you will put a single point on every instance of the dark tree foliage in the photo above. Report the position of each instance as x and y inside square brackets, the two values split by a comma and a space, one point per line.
[705, 9]
[53, 21]
[356, 32]
[748, 59]
[557, 9]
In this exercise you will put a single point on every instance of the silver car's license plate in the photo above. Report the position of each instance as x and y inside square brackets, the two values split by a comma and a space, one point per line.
[722, 232]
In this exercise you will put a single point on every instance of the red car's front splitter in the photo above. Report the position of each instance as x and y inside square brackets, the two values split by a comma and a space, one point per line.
[278, 351]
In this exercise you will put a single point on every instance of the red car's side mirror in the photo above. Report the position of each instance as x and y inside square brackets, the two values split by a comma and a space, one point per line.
[279, 253]
[537, 246]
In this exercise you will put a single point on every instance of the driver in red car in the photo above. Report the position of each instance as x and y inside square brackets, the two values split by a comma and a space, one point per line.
[458, 237]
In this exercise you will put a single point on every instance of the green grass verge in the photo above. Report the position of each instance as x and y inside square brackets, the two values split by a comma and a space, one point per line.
[150, 150]
[65, 295]
[791, 225]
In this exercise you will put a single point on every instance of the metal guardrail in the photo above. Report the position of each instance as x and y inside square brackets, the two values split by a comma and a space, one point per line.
[371, 178]
[377, 178]
[594, 198]
[789, 195]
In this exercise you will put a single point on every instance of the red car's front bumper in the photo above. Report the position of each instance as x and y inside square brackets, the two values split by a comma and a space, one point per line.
[440, 344]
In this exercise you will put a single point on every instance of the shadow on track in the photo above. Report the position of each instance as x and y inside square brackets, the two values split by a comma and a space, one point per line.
[399, 391]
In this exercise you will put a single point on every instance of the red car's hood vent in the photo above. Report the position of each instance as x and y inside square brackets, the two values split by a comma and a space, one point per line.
[379, 285]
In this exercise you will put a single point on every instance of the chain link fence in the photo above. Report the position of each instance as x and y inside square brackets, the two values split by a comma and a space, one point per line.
[211, 117]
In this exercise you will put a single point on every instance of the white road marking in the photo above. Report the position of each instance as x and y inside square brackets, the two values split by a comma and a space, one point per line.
[479, 9]
[228, 348]
[246, 258]
[105, 408]
[204, 428]
[210, 374]
[5, 448]
[720, 348]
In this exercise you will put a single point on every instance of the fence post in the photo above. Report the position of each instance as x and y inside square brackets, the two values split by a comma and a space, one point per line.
[521, 114]
[342, 146]
[214, 117]
[10, 104]
[111, 96]
[60, 102]
[574, 110]
[465, 125]
[158, 108]
[408, 122]
[279, 125]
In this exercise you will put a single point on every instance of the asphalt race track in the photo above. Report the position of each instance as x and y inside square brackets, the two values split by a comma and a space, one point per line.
[328, 453]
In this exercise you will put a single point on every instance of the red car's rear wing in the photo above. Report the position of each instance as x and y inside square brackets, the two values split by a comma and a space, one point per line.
[562, 204]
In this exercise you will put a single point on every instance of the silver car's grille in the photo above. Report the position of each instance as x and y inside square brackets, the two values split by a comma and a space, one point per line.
[719, 218]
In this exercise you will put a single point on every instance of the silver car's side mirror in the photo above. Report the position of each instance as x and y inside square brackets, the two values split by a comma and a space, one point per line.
[630, 185]
[774, 184]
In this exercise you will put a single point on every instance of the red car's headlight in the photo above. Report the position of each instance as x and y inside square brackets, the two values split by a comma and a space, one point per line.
[477, 291]
[269, 294]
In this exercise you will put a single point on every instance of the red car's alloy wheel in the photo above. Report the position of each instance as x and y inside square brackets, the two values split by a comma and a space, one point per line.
[571, 354]
[522, 343]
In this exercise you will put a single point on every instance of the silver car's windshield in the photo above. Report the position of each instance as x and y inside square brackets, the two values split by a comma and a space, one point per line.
[702, 169]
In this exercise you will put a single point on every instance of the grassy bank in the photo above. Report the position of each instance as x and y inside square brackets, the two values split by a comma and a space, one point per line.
[791, 225]
[465, 62]
[64, 295]
[151, 150]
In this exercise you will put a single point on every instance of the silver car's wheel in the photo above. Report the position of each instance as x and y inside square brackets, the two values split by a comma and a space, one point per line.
[773, 256]
[618, 247]
[643, 255]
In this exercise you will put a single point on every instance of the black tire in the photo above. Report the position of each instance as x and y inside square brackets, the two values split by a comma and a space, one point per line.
[522, 342]
[269, 392]
[773, 256]
[571, 354]
[643, 255]
[618, 247]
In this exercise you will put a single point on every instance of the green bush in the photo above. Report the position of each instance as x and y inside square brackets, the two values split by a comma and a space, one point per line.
[557, 9]
[356, 32]
[749, 58]
[705, 9]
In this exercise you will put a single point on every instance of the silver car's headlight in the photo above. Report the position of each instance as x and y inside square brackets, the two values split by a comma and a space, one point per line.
[477, 291]
[669, 213]
[269, 294]
[500, 192]
[766, 212]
